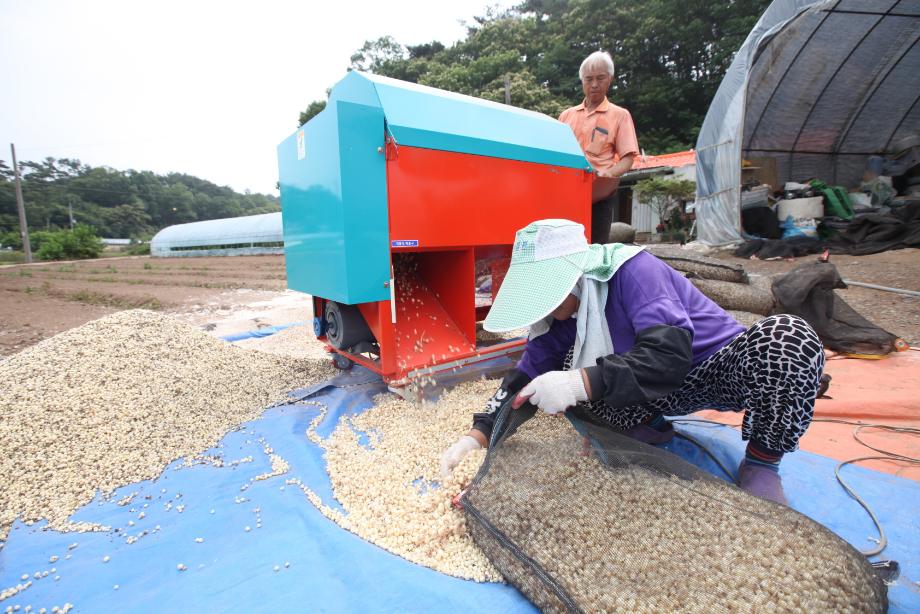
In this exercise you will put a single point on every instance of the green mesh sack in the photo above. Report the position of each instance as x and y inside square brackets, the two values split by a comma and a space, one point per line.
[616, 525]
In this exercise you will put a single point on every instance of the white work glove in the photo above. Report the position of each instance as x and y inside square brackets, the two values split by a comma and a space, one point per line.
[554, 391]
[454, 454]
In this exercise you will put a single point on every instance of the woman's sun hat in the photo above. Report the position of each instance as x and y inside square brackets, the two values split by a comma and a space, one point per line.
[547, 260]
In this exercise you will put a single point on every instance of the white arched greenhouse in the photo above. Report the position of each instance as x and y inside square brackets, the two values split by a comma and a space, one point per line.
[234, 236]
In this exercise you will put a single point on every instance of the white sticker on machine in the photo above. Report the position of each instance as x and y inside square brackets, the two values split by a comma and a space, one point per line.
[301, 145]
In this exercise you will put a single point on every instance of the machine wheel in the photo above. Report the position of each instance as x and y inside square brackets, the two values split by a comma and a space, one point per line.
[345, 326]
[342, 363]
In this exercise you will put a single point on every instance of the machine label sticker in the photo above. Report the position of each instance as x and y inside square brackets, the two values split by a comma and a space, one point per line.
[301, 146]
[405, 243]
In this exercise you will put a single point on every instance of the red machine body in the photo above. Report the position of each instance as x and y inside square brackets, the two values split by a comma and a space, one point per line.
[447, 212]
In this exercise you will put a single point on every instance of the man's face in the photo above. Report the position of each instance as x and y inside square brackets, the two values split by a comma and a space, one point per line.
[595, 84]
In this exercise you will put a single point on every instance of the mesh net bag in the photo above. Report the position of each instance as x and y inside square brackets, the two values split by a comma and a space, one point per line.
[582, 519]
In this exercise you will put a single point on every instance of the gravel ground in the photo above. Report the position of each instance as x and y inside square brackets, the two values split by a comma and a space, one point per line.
[898, 314]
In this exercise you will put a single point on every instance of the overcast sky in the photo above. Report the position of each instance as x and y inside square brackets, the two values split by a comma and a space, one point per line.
[207, 88]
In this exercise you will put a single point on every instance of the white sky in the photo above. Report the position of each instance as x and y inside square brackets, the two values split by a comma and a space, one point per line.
[207, 88]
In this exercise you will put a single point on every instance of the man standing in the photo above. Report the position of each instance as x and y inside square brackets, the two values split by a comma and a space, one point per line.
[607, 136]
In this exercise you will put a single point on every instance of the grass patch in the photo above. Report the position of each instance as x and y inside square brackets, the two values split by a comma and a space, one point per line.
[12, 257]
[25, 273]
[67, 268]
[91, 297]
[44, 289]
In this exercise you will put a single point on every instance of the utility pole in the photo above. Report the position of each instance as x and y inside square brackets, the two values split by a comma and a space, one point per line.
[23, 226]
[507, 88]
[70, 211]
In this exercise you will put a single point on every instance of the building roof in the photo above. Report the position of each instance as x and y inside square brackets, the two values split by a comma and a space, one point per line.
[674, 160]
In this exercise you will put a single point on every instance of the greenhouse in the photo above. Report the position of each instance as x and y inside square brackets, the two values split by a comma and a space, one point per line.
[818, 87]
[235, 236]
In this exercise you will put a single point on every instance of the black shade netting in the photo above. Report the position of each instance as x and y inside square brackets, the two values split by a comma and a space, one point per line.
[615, 525]
[808, 291]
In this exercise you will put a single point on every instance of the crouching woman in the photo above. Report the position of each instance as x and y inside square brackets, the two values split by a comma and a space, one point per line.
[629, 339]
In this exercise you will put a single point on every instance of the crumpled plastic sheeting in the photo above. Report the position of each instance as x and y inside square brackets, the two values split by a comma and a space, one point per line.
[718, 147]
[232, 570]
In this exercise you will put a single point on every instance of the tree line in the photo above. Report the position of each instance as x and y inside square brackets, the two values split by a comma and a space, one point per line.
[117, 204]
[670, 58]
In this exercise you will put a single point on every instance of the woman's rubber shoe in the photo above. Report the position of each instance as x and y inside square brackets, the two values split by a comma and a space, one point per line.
[761, 482]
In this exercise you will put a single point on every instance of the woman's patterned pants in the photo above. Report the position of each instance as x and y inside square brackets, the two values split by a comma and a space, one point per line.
[771, 372]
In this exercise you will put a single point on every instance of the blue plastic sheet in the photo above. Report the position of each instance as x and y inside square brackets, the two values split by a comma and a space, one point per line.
[265, 331]
[322, 567]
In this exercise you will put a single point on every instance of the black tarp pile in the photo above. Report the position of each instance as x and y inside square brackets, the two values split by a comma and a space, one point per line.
[868, 233]
[808, 291]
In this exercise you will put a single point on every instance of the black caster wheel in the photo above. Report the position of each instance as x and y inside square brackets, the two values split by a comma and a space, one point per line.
[345, 326]
[343, 363]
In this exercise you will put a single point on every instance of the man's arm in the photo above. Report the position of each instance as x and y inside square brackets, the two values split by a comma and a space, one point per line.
[617, 170]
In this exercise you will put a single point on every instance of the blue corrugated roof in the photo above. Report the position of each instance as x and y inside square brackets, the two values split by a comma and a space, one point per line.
[427, 117]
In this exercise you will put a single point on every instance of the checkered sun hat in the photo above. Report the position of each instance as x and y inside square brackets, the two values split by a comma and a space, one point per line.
[548, 258]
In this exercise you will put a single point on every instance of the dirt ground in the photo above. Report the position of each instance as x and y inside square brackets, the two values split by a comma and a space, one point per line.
[896, 313]
[229, 295]
[222, 295]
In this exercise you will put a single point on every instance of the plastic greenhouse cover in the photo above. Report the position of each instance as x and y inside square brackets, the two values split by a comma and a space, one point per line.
[262, 228]
[331, 569]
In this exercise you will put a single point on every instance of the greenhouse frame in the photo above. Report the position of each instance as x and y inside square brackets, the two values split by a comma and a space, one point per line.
[236, 236]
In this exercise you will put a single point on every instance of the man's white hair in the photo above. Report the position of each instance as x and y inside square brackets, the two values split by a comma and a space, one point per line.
[598, 58]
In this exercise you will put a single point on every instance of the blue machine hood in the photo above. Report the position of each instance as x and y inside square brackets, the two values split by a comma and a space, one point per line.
[421, 116]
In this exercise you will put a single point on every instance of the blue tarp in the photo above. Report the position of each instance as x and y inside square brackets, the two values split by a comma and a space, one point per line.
[329, 568]
[265, 331]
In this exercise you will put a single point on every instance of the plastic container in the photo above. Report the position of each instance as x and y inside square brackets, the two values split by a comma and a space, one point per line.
[800, 208]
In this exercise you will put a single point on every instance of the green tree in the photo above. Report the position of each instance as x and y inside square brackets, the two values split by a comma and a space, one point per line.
[77, 244]
[127, 220]
[313, 109]
[664, 195]
[116, 203]
[670, 58]
[374, 56]
[9, 218]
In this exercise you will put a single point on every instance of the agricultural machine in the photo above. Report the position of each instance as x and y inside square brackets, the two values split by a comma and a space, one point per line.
[400, 204]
